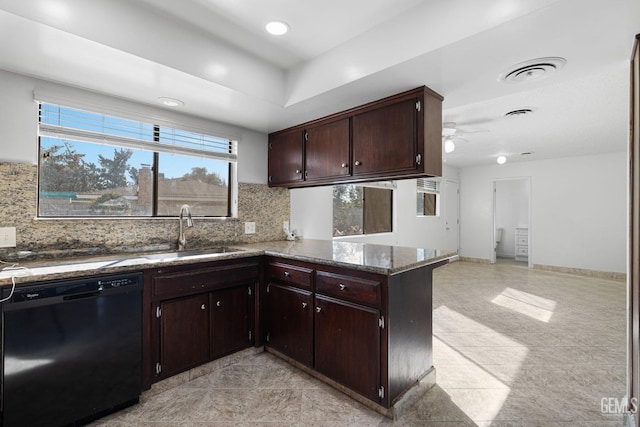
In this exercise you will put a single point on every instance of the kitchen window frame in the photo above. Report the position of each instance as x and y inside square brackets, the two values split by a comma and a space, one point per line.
[232, 176]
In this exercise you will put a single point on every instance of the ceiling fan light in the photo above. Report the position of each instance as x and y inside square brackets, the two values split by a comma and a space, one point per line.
[501, 160]
[449, 146]
[448, 128]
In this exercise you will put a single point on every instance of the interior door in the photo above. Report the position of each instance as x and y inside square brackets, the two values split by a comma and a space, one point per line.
[452, 215]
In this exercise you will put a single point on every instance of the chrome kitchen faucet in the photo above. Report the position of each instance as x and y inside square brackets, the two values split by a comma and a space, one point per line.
[182, 240]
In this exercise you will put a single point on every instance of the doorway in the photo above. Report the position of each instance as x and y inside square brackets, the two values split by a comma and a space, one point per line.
[452, 215]
[511, 235]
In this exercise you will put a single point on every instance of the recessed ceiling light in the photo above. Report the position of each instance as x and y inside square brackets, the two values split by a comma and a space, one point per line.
[170, 102]
[533, 69]
[501, 160]
[277, 28]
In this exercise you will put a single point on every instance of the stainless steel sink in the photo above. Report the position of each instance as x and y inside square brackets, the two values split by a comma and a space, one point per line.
[167, 256]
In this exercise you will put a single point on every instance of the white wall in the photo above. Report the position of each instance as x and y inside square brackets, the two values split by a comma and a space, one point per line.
[578, 210]
[18, 121]
[512, 210]
[312, 215]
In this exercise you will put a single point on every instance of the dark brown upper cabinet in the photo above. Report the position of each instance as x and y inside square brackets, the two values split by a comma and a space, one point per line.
[392, 138]
[384, 139]
[327, 150]
[285, 157]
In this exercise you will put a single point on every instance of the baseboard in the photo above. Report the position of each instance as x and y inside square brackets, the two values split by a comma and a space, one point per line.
[475, 260]
[583, 272]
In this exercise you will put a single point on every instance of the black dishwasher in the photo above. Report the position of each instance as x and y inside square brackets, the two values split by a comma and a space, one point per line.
[72, 350]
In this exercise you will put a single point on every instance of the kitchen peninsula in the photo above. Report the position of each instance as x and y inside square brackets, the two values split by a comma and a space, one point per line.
[355, 315]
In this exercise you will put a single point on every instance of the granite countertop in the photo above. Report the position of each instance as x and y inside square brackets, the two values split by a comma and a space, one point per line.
[383, 259]
[380, 259]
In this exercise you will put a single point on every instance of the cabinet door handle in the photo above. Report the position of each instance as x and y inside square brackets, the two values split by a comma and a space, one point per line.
[344, 165]
[298, 171]
[218, 304]
[203, 307]
[304, 305]
[419, 159]
[306, 136]
[341, 286]
[357, 163]
[318, 309]
[287, 274]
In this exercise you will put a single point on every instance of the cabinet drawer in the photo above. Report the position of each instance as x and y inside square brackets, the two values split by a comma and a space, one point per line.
[348, 287]
[293, 274]
[186, 282]
[522, 240]
[522, 251]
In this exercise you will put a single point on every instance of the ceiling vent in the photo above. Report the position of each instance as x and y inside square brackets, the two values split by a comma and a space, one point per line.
[534, 69]
[519, 112]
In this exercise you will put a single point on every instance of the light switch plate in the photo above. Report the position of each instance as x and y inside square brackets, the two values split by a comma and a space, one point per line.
[249, 228]
[7, 237]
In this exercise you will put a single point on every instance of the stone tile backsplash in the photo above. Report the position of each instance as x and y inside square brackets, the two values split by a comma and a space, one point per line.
[54, 238]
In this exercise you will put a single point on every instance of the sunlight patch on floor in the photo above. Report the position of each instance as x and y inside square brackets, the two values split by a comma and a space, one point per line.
[536, 307]
[463, 354]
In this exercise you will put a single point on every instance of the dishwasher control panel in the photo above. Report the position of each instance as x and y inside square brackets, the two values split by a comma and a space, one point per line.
[116, 282]
[69, 288]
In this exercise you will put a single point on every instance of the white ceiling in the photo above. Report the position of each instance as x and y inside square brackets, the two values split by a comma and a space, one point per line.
[216, 57]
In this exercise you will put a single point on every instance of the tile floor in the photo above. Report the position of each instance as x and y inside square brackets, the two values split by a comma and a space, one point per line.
[512, 347]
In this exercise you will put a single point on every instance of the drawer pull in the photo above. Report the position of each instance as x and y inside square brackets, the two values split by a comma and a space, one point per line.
[286, 274]
[218, 304]
[304, 305]
[203, 307]
[341, 286]
[318, 309]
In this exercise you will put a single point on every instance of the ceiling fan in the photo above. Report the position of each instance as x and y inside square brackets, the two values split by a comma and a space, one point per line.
[451, 133]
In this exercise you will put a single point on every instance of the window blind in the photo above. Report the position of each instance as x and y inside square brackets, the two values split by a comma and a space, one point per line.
[428, 185]
[63, 122]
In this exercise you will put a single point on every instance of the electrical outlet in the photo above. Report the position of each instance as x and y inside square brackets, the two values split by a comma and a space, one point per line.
[249, 228]
[7, 237]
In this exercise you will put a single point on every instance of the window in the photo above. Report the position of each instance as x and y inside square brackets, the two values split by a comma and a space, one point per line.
[362, 209]
[428, 197]
[95, 165]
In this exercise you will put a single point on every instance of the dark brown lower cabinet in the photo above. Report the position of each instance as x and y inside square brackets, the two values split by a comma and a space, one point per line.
[196, 313]
[231, 319]
[290, 322]
[347, 347]
[184, 333]
[369, 332]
